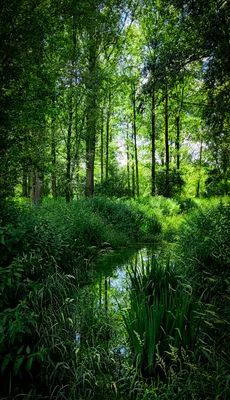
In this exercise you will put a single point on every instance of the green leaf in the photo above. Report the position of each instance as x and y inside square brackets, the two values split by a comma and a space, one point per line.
[5, 362]
[17, 364]
[29, 364]
[20, 350]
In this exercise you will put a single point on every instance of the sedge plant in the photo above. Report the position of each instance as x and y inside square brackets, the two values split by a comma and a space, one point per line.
[161, 321]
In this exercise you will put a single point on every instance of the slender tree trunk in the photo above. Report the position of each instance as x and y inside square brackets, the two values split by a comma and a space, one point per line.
[68, 152]
[128, 158]
[133, 170]
[37, 185]
[75, 161]
[90, 157]
[178, 142]
[90, 150]
[53, 156]
[70, 126]
[153, 140]
[102, 146]
[100, 289]
[108, 137]
[135, 143]
[30, 183]
[91, 119]
[106, 295]
[24, 183]
[166, 146]
[199, 172]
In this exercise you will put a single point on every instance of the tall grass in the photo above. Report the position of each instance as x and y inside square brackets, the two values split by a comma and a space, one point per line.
[45, 254]
[161, 321]
[204, 246]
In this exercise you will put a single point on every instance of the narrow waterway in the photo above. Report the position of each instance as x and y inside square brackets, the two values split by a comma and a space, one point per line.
[101, 303]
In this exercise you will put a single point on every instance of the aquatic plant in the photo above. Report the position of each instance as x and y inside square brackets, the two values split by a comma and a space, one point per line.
[161, 320]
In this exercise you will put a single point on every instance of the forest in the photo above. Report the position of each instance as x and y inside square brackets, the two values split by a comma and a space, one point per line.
[114, 199]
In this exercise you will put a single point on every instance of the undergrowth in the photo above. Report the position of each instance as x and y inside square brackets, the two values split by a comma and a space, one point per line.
[177, 322]
[45, 256]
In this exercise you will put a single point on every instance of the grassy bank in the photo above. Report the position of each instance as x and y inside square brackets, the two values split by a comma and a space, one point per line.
[45, 255]
[178, 322]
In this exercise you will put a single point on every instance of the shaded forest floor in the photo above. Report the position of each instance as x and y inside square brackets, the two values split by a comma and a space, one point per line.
[46, 253]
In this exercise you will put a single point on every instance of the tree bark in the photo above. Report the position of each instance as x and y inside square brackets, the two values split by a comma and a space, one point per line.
[68, 152]
[69, 133]
[53, 156]
[178, 142]
[133, 169]
[91, 119]
[106, 295]
[166, 146]
[153, 149]
[128, 158]
[199, 172]
[75, 162]
[37, 185]
[24, 184]
[135, 143]
[90, 157]
[102, 147]
[108, 137]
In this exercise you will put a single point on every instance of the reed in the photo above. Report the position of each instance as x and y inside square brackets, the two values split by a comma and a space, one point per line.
[161, 321]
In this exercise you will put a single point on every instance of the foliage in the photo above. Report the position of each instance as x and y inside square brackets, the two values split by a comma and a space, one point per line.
[45, 251]
[35, 328]
[175, 183]
[207, 229]
[160, 205]
[161, 321]
[129, 215]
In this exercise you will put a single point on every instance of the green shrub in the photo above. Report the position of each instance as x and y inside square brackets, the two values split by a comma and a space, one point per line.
[204, 239]
[187, 204]
[160, 205]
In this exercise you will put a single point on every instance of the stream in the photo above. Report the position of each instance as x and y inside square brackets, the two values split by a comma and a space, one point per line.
[100, 303]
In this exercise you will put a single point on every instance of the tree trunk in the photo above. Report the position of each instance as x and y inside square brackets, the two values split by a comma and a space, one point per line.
[68, 192]
[53, 156]
[75, 161]
[167, 191]
[91, 119]
[37, 185]
[135, 142]
[68, 152]
[24, 184]
[90, 156]
[106, 295]
[107, 138]
[199, 172]
[178, 142]
[153, 140]
[133, 170]
[128, 158]
[102, 146]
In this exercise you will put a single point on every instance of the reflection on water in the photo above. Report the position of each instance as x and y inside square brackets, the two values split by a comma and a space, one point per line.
[100, 304]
